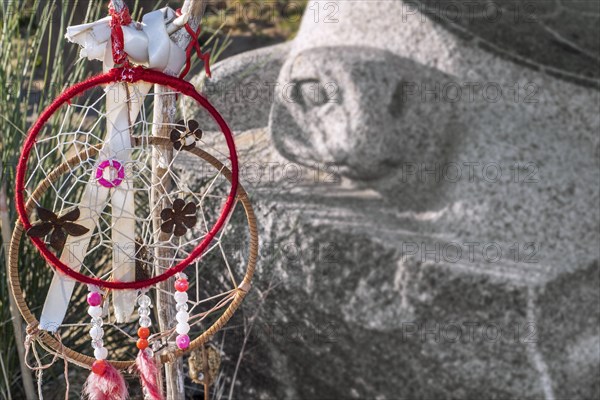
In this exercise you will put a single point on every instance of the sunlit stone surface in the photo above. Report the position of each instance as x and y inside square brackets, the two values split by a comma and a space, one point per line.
[428, 199]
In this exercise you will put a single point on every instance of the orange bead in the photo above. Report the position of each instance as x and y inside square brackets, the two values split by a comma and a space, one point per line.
[144, 332]
[142, 344]
[98, 367]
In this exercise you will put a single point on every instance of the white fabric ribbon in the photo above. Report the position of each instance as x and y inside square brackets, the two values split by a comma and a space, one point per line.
[147, 44]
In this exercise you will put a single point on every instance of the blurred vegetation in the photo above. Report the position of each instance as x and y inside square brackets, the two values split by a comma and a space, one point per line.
[271, 18]
[34, 67]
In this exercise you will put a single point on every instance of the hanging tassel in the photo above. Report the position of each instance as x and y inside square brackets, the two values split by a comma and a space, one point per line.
[105, 383]
[148, 375]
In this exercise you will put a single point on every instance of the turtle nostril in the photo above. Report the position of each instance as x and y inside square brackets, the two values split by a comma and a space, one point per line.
[396, 106]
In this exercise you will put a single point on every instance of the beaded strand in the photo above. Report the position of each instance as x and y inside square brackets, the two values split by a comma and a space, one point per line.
[95, 301]
[181, 298]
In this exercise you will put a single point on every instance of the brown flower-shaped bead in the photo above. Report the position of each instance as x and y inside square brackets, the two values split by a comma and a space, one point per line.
[179, 219]
[60, 227]
[185, 136]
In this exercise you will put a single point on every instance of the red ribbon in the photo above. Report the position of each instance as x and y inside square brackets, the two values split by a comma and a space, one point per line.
[194, 45]
[119, 18]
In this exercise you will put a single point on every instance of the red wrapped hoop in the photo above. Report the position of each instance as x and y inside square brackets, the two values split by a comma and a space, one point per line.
[131, 75]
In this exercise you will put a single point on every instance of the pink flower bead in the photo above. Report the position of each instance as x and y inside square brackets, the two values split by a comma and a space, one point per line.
[181, 285]
[183, 341]
[94, 299]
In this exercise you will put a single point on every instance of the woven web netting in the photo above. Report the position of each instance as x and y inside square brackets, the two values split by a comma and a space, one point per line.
[163, 202]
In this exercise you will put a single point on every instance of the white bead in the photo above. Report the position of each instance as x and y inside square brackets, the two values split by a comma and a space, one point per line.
[101, 353]
[182, 328]
[182, 316]
[96, 332]
[144, 301]
[182, 307]
[95, 312]
[143, 312]
[145, 322]
[181, 297]
[96, 344]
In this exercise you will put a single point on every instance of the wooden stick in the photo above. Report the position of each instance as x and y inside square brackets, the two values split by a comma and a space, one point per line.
[164, 114]
[17, 321]
[206, 369]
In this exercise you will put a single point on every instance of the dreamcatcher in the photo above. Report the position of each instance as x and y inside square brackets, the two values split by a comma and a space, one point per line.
[124, 211]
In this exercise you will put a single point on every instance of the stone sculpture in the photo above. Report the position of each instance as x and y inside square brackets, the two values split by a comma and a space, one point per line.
[430, 191]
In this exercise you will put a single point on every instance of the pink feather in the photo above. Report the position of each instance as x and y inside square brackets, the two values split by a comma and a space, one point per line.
[108, 386]
[148, 375]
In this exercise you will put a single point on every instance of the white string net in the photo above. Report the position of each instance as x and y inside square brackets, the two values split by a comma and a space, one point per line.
[82, 125]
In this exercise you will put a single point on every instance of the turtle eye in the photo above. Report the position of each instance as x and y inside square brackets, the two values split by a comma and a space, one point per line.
[309, 93]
